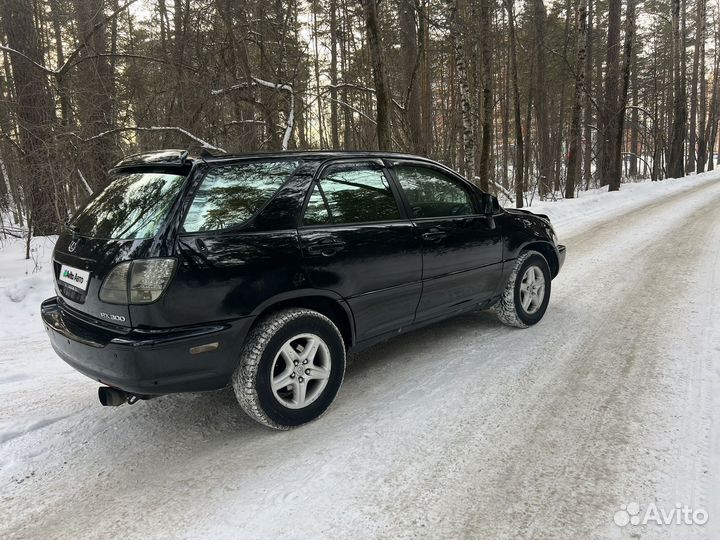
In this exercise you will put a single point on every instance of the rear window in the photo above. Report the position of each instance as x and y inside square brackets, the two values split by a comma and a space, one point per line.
[231, 194]
[133, 205]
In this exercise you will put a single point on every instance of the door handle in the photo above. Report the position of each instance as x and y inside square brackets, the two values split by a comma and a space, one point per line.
[434, 235]
[201, 245]
[327, 247]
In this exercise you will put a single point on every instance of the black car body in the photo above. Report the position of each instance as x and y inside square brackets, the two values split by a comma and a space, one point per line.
[362, 254]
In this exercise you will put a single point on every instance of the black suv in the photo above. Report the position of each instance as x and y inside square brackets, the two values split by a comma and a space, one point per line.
[190, 273]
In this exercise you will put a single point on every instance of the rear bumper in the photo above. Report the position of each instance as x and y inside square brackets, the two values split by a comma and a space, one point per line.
[561, 256]
[146, 362]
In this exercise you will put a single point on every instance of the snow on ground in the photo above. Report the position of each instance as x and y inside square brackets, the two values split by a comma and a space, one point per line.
[466, 429]
[597, 205]
[24, 283]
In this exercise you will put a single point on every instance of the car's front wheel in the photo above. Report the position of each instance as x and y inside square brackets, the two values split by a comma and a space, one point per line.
[527, 292]
[291, 368]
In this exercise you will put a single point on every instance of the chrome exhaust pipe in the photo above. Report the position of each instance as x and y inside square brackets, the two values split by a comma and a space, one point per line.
[112, 397]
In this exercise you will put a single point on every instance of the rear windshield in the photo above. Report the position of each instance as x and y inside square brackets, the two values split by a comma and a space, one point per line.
[133, 205]
[231, 194]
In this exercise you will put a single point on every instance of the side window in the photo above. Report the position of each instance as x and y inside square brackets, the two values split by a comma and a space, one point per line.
[231, 194]
[433, 194]
[357, 193]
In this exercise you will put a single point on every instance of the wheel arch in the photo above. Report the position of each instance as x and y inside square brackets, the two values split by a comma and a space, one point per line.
[325, 302]
[547, 250]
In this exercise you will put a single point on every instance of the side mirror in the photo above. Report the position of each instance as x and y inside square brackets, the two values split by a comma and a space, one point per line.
[488, 205]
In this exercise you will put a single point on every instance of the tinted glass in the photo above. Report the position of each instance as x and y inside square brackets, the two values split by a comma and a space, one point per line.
[230, 195]
[316, 212]
[133, 205]
[432, 194]
[358, 194]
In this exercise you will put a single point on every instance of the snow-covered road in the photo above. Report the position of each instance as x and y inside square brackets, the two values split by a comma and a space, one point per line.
[465, 429]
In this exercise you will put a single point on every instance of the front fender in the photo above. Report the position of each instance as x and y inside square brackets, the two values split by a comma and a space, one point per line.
[524, 230]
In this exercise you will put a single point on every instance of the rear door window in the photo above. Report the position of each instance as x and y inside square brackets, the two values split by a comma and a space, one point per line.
[230, 195]
[133, 205]
[352, 193]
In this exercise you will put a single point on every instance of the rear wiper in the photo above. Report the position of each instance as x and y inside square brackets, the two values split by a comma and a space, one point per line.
[74, 229]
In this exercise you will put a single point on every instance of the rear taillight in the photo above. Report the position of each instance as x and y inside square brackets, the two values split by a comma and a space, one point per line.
[148, 279]
[137, 282]
[114, 289]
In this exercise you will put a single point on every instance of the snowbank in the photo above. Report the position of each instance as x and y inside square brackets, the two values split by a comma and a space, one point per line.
[570, 216]
[24, 283]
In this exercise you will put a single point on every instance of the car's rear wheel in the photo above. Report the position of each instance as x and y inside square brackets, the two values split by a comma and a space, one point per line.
[291, 368]
[527, 293]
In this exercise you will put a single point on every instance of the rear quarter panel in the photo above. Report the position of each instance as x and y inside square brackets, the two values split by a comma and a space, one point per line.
[222, 277]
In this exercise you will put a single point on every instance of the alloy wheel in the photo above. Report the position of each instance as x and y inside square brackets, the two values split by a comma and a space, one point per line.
[532, 289]
[300, 371]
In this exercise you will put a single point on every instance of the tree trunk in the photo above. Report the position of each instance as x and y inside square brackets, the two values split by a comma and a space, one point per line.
[348, 142]
[707, 141]
[334, 127]
[587, 158]
[519, 167]
[616, 173]
[557, 143]
[528, 127]
[426, 94]
[634, 122]
[610, 108]
[407, 22]
[465, 96]
[702, 111]
[486, 14]
[540, 96]
[575, 128]
[382, 87]
[94, 99]
[699, 38]
[676, 165]
[34, 110]
[316, 64]
[505, 115]
[65, 109]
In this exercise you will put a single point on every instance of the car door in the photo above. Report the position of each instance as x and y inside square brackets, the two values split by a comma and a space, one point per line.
[462, 248]
[358, 242]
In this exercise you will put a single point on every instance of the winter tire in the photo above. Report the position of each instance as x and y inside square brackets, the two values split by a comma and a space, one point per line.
[527, 292]
[291, 368]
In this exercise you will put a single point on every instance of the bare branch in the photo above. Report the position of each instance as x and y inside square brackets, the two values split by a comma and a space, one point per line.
[131, 56]
[13, 142]
[185, 132]
[361, 88]
[358, 111]
[84, 182]
[26, 57]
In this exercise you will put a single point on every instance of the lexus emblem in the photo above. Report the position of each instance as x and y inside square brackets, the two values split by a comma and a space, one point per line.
[72, 246]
